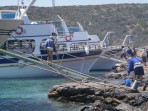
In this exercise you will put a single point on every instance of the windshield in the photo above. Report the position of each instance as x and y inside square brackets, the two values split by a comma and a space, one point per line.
[8, 15]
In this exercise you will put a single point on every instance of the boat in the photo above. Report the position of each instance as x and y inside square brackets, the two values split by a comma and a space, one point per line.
[6, 28]
[27, 41]
[111, 54]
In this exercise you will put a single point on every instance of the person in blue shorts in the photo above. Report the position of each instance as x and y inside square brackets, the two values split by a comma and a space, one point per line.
[135, 65]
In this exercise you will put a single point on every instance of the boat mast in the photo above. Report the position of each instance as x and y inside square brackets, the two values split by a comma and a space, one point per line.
[53, 5]
[22, 4]
[106, 38]
[31, 3]
[123, 43]
[18, 6]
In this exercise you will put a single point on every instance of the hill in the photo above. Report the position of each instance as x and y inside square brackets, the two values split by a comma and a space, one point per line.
[99, 19]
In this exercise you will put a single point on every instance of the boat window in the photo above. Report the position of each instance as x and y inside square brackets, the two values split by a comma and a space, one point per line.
[78, 46]
[73, 29]
[59, 47]
[8, 15]
[25, 46]
[92, 46]
[62, 47]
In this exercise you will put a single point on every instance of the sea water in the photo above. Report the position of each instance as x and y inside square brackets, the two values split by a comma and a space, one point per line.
[31, 95]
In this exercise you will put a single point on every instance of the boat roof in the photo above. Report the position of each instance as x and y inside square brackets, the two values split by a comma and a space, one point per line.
[8, 11]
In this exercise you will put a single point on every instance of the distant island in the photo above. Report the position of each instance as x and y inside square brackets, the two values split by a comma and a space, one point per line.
[99, 19]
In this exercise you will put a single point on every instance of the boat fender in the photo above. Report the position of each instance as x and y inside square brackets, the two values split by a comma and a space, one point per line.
[21, 63]
[19, 30]
[87, 50]
[68, 38]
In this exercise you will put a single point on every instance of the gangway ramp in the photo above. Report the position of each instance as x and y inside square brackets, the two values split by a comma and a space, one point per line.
[61, 70]
[55, 68]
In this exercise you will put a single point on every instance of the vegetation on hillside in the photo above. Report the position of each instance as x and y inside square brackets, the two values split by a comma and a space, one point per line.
[99, 19]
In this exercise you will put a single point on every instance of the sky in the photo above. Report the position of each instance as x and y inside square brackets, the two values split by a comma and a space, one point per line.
[48, 3]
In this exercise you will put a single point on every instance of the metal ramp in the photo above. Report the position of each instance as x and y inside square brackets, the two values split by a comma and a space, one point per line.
[63, 71]
[52, 67]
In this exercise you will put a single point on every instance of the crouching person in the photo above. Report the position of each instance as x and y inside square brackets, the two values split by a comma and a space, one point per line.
[135, 65]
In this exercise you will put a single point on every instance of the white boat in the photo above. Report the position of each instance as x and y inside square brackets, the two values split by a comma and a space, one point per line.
[6, 28]
[111, 54]
[27, 41]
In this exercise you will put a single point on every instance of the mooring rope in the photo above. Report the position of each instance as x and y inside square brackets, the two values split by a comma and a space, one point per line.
[82, 74]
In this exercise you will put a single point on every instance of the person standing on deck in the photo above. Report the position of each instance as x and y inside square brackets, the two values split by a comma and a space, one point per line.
[50, 46]
[135, 67]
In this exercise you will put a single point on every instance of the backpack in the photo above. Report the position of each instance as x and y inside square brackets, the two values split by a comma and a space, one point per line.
[129, 51]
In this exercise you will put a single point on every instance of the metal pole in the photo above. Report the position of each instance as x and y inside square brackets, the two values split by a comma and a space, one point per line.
[53, 5]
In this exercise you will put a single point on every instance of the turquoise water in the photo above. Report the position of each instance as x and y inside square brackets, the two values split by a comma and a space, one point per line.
[31, 95]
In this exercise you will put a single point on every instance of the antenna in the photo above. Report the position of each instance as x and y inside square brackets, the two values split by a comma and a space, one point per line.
[31, 3]
[53, 5]
[22, 4]
[18, 6]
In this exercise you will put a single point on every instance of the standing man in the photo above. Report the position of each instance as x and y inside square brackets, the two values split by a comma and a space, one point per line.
[50, 46]
[129, 51]
[123, 52]
[144, 56]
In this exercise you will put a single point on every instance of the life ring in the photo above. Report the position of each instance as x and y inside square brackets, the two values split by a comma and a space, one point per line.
[68, 37]
[19, 30]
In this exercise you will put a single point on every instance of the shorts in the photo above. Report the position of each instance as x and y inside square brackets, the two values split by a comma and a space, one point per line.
[139, 71]
[49, 48]
[144, 59]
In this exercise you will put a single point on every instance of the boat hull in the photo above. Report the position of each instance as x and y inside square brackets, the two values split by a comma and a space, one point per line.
[18, 70]
[104, 64]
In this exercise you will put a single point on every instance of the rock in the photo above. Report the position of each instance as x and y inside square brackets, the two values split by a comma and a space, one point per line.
[53, 94]
[102, 96]
[126, 107]
[86, 108]
[108, 100]
[118, 76]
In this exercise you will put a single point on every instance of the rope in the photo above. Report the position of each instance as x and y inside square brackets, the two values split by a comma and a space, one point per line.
[33, 54]
[66, 76]
[86, 75]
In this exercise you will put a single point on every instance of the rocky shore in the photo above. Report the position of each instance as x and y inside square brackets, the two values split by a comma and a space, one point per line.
[103, 96]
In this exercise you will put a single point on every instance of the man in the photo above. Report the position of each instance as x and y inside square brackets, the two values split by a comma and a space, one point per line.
[144, 56]
[123, 52]
[129, 51]
[50, 46]
[135, 66]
